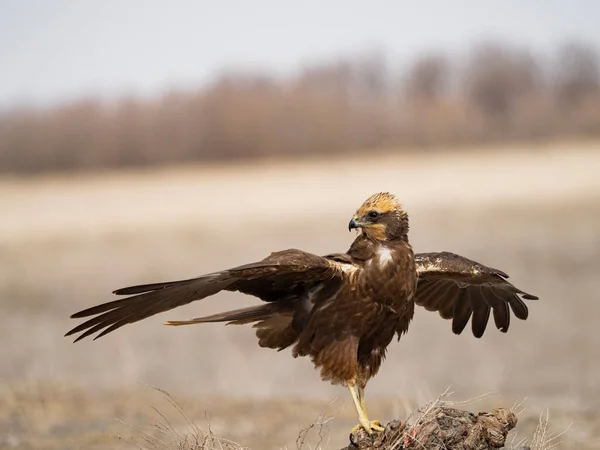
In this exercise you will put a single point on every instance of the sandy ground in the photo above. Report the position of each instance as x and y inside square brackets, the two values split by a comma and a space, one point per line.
[66, 242]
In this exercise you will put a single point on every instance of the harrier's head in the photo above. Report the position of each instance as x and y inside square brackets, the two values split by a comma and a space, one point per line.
[381, 217]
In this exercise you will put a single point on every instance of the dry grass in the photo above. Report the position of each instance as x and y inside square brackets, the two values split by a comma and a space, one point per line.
[318, 429]
[165, 435]
[544, 438]
[172, 428]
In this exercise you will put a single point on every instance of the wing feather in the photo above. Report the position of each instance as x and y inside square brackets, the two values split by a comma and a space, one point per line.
[278, 277]
[426, 287]
[500, 309]
[461, 289]
[436, 294]
[519, 308]
[446, 308]
[481, 312]
[462, 312]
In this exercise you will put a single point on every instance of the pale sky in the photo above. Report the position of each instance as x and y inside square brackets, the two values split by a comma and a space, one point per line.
[56, 50]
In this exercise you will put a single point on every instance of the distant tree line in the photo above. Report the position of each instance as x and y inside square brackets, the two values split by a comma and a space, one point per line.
[494, 93]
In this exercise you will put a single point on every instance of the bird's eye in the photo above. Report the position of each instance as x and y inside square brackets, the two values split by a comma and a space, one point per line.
[373, 214]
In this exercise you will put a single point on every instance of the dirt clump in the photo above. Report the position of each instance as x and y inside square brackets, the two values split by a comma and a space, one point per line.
[441, 428]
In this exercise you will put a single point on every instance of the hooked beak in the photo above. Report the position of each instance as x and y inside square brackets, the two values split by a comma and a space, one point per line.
[353, 224]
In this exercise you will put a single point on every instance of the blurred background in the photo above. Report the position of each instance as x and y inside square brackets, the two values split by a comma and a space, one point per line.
[142, 141]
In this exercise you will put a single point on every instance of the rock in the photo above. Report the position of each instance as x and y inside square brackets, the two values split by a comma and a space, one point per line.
[441, 428]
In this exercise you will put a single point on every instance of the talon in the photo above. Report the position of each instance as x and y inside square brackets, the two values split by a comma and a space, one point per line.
[376, 426]
[351, 439]
[370, 427]
[356, 429]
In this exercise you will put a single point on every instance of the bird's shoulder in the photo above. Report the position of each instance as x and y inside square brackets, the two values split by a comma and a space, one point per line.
[294, 257]
[335, 264]
[362, 249]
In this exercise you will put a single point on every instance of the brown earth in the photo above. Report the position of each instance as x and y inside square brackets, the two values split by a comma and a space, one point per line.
[66, 242]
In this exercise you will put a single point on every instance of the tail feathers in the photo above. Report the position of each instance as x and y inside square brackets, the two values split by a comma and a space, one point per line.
[234, 317]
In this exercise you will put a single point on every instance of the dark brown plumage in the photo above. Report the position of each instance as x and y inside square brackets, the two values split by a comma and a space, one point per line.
[342, 310]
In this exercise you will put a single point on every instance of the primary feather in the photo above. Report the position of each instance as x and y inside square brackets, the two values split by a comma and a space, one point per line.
[460, 288]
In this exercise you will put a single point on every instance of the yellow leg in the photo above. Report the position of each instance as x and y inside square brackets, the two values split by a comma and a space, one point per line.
[358, 397]
[361, 399]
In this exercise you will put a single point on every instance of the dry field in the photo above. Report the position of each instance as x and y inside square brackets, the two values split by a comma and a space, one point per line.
[67, 242]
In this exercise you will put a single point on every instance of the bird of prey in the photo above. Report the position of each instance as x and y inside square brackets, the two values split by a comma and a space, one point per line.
[342, 310]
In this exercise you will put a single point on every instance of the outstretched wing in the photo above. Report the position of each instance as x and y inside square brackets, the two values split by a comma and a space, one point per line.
[460, 288]
[282, 275]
